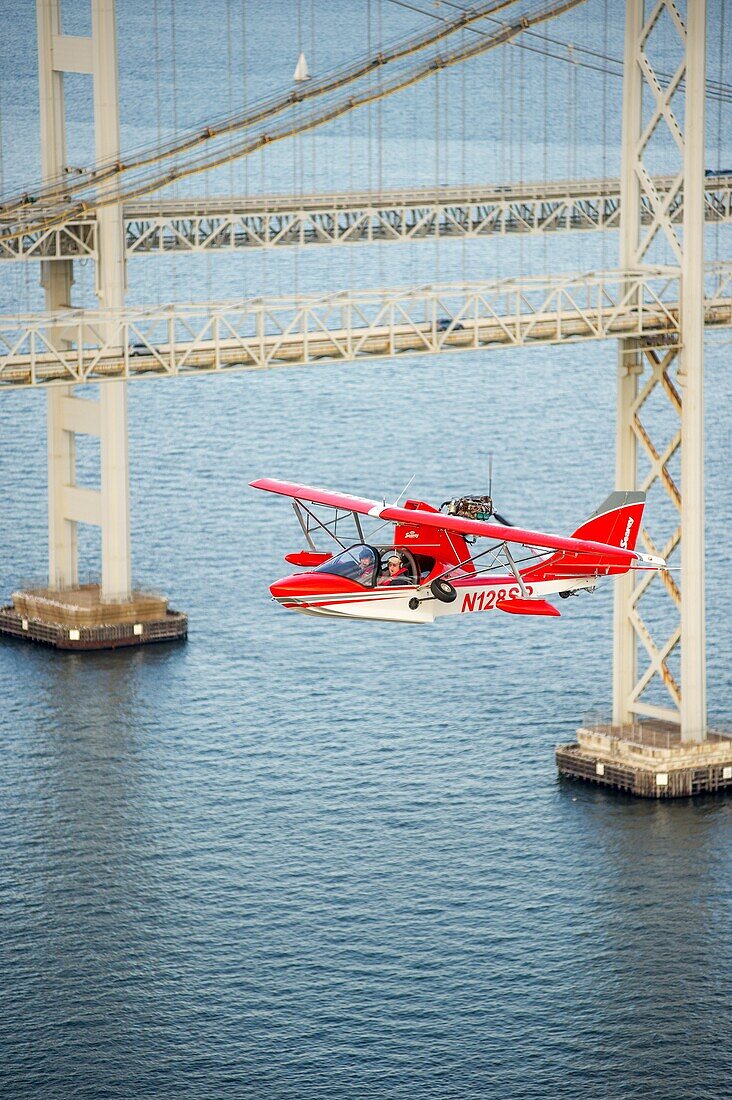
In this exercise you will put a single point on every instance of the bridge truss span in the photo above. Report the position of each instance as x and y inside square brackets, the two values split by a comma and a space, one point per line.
[72, 347]
[360, 217]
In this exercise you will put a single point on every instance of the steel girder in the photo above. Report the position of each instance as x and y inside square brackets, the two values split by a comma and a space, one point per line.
[653, 385]
[276, 221]
[76, 346]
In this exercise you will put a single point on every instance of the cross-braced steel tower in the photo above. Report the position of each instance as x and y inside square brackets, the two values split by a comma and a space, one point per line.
[676, 371]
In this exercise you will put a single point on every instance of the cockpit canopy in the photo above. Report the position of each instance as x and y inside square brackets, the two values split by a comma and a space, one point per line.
[357, 563]
[369, 566]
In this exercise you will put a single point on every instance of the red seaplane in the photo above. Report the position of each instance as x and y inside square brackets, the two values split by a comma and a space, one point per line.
[433, 565]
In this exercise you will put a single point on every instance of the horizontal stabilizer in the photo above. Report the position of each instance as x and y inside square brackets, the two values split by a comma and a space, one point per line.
[529, 607]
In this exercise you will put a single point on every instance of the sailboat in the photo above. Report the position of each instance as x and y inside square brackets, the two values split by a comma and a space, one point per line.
[301, 69]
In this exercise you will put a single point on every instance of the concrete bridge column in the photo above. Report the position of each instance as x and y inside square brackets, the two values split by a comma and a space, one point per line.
[67, 504]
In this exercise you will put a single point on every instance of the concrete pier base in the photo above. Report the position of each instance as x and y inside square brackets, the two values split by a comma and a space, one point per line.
[77, 618]
[648, 759]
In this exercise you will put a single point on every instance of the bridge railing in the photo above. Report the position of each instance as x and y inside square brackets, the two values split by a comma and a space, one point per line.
[77, 346]
[276, 221]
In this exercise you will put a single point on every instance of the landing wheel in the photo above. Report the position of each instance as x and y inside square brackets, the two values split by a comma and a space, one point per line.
[442, 590]
[564, 595]
[413, 603]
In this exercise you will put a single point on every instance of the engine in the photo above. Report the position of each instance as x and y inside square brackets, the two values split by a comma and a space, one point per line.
[480, 508]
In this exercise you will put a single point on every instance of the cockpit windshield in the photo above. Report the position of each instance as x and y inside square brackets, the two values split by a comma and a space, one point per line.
[357, 563]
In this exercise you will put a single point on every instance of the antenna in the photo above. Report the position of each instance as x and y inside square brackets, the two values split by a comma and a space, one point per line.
[404, 490]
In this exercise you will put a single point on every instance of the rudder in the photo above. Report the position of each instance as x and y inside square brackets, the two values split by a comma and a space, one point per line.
[617, 522]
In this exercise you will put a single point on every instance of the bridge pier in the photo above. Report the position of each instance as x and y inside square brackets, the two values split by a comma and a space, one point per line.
[66, 614]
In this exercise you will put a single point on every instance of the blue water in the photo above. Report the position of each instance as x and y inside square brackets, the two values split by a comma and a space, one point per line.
[305, 859]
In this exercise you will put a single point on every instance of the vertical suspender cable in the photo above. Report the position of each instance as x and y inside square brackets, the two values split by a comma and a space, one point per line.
[718, 165]
[229, 81]
[369, 117]
[545, 151]
[244, 160]
[521, 139]
[156, 40]
[498, 252]
[380, 135]
[245, 84]
[570, 111]
[603, 236]
[445, 178]
[174, 62]
[522, 130]
[296, 142]
[13, 267]
[438, 77]
[312, 36]
[351, 186]
[510, 115]
[380, 104]
[463, 178]
[314, 137]
[502, 150]
[574, 144]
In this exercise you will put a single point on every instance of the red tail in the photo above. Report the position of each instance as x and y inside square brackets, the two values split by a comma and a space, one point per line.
[617, 522]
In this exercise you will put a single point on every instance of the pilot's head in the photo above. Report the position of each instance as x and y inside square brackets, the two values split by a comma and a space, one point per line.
[364, 558]
[394, 563]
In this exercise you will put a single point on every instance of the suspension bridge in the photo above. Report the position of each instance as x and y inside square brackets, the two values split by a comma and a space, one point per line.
[656, 303]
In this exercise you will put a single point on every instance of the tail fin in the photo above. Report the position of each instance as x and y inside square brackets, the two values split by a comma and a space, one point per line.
[617, 521]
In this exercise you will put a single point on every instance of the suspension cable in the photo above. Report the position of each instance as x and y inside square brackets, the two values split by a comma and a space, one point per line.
[715, 89]
[266, 109]
[65, 210]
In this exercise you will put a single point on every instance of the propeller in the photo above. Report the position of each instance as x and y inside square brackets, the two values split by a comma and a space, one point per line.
[499, 518]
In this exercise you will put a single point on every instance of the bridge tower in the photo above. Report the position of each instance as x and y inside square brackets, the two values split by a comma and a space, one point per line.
[67, 614]
[68, 416]
[675, 372]
[654, 748]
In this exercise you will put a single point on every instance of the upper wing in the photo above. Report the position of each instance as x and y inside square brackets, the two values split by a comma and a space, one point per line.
[418, 517]
[320, 496]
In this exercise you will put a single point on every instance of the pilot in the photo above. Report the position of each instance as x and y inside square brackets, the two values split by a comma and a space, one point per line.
[396, 572]
[365, 564]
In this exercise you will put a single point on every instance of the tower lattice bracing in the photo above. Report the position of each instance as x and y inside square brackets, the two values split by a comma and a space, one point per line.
[660, 428]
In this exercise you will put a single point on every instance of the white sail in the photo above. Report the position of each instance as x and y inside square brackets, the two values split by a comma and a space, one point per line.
[301, 69]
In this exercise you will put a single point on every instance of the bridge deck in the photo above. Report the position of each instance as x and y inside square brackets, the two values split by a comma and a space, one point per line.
[77, 346]
[359, 217]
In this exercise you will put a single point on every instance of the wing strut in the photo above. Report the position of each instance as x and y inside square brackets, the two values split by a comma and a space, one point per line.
[515, 571]
[324, 526]
[303, 524]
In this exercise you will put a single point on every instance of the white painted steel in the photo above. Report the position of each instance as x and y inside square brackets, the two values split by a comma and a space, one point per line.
[644, 371]
[363, 217]
[691, 377]
[625, 644]
[79, 346]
